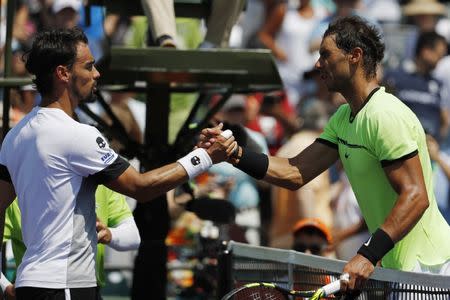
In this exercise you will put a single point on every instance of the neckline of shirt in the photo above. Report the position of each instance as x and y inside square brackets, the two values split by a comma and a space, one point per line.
[353, 117]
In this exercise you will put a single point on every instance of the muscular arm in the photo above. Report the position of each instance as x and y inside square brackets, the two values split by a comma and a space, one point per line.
[7, 196]
[147, 186]
[406, 177]
[295, 172]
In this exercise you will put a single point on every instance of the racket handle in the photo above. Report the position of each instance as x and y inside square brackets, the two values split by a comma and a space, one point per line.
[334, 286]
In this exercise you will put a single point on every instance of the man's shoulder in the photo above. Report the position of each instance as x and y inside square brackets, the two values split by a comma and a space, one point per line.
[341, 111]
[387, 106]
[87, 133]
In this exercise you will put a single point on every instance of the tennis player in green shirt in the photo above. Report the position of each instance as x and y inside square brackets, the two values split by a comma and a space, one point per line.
[115, 228]
[382, 146]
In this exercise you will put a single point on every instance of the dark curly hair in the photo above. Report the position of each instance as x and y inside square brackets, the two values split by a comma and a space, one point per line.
[428, 40]
[352, 32]
[52, 48]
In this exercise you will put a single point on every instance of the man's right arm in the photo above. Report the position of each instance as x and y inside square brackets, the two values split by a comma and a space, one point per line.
[290, 173]
[293, 173]
[147, 186]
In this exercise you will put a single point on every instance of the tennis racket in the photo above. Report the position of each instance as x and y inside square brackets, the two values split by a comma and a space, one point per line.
[272, 291]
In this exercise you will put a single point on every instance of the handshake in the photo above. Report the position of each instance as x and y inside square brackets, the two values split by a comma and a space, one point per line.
[214, 146]
[220, 145]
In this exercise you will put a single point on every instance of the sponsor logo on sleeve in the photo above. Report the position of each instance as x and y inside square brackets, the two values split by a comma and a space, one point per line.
[101, 142]
[107, 157]
[368, 242]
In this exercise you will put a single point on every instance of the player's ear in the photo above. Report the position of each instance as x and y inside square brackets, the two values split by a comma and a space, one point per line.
[355, 55]
[62, 73]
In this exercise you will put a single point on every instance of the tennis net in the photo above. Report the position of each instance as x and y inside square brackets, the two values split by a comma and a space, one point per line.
[241, 263]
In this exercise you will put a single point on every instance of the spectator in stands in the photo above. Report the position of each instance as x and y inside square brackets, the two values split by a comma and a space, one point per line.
[344, 8]
[22, 29]
[115, 228]
[66, 13]
[349, 228]
[311, 236]
[416, 86]
[120, 105]
[424, 15]
[313, 200]
[384, 11]
[273, 116]
[161, 20]
[70, 13]
[243, 189]
[443, 161]
[255, 16]
[286, 33]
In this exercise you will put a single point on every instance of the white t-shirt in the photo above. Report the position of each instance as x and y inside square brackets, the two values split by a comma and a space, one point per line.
[55, 165]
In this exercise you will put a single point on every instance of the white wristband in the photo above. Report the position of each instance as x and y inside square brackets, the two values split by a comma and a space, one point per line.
[4, 282]
[196, 162]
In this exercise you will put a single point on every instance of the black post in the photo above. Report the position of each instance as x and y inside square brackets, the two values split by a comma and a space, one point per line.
[225, 271]
[152, 218]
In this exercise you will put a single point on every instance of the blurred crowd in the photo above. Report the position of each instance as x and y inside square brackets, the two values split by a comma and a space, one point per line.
[416, 69]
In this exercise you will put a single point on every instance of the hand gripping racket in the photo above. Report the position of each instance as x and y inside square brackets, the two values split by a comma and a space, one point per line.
[271, 291]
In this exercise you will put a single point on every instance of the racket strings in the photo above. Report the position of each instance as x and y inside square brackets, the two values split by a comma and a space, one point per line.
[259, 293]
[274, 293]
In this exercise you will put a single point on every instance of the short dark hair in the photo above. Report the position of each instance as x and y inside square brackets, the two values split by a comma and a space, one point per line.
[429, 40]
[50, 49]
[352, 32]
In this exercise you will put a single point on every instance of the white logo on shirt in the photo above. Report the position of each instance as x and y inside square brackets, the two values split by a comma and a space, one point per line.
[101, 142]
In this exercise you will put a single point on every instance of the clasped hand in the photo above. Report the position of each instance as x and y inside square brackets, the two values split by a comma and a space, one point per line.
[218, 147]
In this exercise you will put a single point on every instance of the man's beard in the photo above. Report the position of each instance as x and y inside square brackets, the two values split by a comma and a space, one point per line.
[90, 98]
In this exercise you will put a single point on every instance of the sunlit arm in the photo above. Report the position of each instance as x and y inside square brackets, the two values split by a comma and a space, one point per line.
[295, 172]
[7, 196]
[152, 184]
[406, 177]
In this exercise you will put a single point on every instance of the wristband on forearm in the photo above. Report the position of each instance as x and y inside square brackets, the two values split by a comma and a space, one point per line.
[4, 282]
[125, 236]
[376, 246]
[252, 163]
[196, 162]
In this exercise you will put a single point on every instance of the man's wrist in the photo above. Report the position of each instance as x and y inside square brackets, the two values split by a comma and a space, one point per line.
[196, 162]
[253, 163]
[376, 246]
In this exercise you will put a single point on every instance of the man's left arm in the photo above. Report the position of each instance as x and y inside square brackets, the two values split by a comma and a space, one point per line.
[7, 196]
[121, 232]
[122, 237]
[406, 177]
